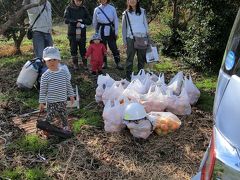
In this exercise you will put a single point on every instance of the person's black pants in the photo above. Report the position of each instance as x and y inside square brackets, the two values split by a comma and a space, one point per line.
[76, 46]
[112, 44]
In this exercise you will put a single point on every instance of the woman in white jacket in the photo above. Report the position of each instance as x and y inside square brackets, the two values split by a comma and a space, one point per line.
[135, 17]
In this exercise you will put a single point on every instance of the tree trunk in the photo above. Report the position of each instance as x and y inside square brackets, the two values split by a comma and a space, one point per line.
[18, 41]
[17, 16]
[175, 15]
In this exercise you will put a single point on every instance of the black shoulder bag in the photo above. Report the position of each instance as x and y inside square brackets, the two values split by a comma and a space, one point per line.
[112, 28]
[29, 31]
[139, 42]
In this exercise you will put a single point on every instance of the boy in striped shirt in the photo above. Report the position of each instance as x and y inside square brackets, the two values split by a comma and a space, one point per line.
[55, 87]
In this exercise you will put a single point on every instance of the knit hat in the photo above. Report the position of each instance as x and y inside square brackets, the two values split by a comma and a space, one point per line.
[96, 37]
[51, 53]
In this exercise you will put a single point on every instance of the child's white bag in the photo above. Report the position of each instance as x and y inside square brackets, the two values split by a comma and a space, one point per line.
[152, 54]
[192, 91]
[113, 116]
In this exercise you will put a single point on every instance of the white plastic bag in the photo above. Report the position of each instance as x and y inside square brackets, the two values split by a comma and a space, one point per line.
[176, 83]
[140, 129]
[155, 100]
[152, 54]
[113, 116]
[138, 86]
[179, 105]
[192, 91]
[140, 76]
[164, 122]
[104, 82]
[113, 93]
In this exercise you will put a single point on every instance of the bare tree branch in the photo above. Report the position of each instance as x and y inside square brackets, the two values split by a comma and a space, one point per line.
[17, 16]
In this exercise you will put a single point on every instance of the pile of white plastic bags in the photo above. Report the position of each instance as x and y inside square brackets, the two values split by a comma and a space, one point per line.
[148, 89]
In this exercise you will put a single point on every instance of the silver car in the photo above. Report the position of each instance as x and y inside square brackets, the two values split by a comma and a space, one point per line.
[222, 158]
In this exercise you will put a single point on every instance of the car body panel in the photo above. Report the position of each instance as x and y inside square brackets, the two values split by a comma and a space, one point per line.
[228, 113]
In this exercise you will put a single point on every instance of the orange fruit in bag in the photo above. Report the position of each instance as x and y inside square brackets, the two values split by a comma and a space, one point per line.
[164, 127]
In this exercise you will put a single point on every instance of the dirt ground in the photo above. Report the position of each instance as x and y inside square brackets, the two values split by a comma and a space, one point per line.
[95, 154]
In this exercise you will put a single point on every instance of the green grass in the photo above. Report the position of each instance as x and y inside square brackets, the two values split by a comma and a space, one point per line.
[207, 85]
[205, 102]
[165, 66]
[27, 174]
[29, 143]
[13, 61]
[35, 174]
[13, 174]
[89, 117]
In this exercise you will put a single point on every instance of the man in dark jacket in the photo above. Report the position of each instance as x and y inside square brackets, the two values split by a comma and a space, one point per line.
[77, 17]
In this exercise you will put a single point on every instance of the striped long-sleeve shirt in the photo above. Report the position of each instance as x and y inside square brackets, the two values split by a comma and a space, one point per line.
[55, 86]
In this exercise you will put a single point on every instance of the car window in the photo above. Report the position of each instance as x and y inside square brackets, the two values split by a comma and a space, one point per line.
[231, 59]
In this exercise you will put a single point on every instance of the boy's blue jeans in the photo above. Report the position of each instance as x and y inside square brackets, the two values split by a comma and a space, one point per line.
[40, 41]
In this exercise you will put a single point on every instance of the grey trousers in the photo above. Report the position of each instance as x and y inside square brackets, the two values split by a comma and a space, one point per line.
[131, 51]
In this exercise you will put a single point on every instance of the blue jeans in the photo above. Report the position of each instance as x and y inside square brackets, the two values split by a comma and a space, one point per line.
[40, 41]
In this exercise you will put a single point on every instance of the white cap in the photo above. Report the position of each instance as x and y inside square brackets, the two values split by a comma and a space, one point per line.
[51, 53]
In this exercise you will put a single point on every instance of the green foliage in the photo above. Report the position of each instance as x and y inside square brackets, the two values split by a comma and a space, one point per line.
[205, 102]
[89, 117]
[29, 143]
[207, 85]
[27, 174]
[13, 174]
[165, 66]
[35, 174]
[206, 36]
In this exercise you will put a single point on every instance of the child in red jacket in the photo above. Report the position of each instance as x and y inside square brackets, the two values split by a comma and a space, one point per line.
[96, 52]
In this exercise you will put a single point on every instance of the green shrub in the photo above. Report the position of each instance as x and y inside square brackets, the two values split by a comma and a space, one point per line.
[206, 36]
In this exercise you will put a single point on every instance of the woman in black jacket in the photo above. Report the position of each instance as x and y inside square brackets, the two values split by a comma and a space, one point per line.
[77, 17]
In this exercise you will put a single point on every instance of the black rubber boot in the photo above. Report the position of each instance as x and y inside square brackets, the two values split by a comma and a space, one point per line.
[84, 63]
[75, 63]
[117, 61]
[105, 63]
